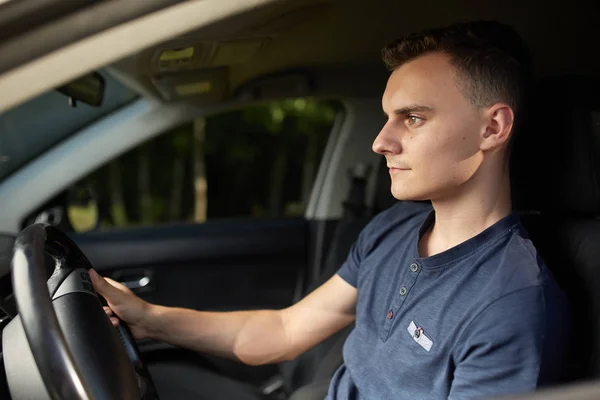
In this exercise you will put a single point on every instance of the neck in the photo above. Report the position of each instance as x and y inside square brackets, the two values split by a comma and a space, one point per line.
[478, 204]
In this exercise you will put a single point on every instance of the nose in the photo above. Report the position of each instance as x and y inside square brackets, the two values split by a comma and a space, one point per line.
[387, 142]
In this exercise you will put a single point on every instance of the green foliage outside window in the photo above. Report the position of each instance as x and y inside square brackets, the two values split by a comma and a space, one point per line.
[258, 161]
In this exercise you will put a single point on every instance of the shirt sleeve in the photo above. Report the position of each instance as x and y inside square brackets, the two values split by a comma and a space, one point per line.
[349, 269]
[373, 232]
[500, 352]
[361, 247]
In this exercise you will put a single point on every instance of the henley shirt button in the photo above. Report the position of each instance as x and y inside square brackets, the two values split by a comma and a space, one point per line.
[390, 314]
[414, 267]
[402, 291]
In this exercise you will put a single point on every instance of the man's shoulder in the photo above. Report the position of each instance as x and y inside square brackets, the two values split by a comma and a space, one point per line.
[514, 279]
[521, 261]
[514, 268]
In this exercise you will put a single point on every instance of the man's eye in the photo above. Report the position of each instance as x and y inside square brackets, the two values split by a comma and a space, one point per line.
[414, 120]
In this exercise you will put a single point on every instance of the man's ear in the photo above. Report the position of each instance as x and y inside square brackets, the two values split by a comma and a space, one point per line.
[499, 123]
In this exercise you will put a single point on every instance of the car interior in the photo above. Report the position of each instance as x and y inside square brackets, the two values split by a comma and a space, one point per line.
[204, 58]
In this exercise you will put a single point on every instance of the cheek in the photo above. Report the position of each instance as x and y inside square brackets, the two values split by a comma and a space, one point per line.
[454, 159]
[466, 148]
[459, 166]
[458, 142]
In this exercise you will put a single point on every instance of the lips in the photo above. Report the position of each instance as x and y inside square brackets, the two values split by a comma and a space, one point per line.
[396, 171]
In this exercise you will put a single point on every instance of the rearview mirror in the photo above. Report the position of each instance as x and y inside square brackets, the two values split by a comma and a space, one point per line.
[88, 89]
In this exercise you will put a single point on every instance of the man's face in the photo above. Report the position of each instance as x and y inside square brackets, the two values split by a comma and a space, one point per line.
[432, 138]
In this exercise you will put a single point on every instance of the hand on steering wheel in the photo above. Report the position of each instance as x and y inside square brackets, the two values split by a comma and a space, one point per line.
[62, 330]
[123, 305]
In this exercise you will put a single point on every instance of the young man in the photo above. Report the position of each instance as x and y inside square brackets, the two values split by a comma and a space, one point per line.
[451, 300]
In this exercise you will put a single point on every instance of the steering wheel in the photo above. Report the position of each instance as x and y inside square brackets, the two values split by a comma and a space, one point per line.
[62, 344]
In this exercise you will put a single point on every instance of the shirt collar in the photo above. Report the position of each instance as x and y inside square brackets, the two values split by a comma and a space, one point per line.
[462, 250]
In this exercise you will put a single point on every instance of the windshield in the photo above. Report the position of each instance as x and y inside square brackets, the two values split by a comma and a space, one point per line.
[30, 129]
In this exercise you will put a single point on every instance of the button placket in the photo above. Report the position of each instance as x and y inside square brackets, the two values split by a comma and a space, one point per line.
[399, 299]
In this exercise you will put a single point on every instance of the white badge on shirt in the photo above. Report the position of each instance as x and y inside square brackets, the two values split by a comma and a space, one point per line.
[419, 336]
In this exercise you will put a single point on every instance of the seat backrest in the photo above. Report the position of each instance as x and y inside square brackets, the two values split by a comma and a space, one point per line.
[556, 188]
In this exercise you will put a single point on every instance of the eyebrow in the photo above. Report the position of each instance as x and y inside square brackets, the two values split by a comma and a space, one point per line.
[411, 109]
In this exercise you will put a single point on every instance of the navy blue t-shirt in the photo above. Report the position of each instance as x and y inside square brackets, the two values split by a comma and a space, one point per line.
[481, 319]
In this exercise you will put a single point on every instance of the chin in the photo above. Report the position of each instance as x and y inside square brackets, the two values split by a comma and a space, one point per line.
[419, 192]
[404, 194]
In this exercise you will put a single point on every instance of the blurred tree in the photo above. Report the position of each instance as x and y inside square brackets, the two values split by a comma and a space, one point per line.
[145, 196]
[181, 146]
[117, 208]
[200, 185]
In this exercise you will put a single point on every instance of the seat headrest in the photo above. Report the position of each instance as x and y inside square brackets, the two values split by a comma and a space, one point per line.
[555, 163]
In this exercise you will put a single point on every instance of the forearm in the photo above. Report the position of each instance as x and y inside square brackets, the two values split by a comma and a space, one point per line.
[252, 337]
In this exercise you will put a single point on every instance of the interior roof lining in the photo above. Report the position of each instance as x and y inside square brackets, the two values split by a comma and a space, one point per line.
[352, 33]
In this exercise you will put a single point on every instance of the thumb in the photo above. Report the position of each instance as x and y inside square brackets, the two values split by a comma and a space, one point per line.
[104, 288]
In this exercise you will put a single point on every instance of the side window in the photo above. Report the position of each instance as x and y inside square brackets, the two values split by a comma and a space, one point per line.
[258, 161]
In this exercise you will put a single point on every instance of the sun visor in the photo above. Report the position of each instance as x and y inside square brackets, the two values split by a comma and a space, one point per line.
[290, 84]
[205, 86]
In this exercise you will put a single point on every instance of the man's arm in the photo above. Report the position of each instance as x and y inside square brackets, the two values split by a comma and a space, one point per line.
[253, 337]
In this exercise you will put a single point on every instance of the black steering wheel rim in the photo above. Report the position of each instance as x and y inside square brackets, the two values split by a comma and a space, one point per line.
[64, 369]
[33, 297]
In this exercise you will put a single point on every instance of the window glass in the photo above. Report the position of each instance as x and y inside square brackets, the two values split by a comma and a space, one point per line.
[259, 161]
[33, 127]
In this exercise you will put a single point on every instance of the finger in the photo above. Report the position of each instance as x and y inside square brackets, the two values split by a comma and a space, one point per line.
[102, 286]
[108, 311]
[97, 280]
[116, 284]
[114, 320]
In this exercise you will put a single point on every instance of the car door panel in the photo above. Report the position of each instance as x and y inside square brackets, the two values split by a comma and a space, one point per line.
[220, 265]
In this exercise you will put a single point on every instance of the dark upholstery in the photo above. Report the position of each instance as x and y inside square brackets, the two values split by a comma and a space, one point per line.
[556, 180]
[556, 167]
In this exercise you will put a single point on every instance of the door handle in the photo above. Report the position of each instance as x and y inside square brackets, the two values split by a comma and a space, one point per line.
[137, 283]
[136, 280]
